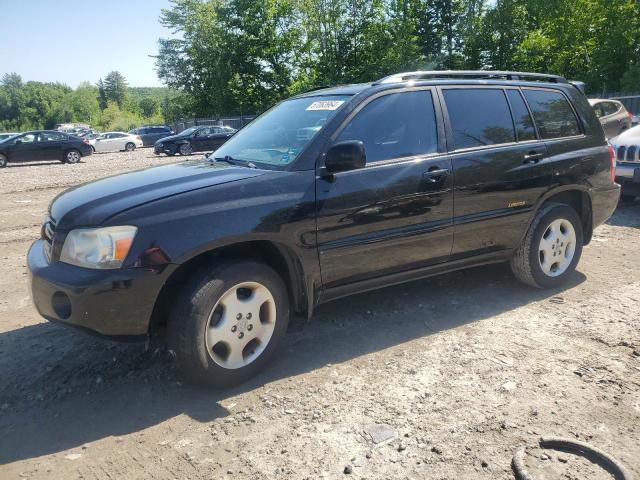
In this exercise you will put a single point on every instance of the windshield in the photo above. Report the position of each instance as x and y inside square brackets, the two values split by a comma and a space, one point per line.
[280, 134]
[188, 131]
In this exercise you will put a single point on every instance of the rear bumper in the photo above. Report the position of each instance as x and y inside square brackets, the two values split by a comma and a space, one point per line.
[113, 303]
[603, 203]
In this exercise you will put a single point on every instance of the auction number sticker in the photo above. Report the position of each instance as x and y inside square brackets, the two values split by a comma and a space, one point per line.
[325, 105]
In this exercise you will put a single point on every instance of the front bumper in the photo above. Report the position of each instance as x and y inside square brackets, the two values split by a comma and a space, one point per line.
[628, 176]
[163, 149]
[114, 303]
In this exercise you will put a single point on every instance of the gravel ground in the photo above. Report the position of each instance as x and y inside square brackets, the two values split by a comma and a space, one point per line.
[443, 378]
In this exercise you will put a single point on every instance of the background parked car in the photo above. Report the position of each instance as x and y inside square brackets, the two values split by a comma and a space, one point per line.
[4, 136]
[194, 139]
[115, 141]
[612, 115]
[43, 145]
[151, 134]
[627, 149]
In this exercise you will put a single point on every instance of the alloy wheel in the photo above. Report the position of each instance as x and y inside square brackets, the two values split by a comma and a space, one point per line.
[557, 247]
[73, 157]
[240, 325]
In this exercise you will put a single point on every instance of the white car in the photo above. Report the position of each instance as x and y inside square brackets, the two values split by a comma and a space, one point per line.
[627, 151]
[116, 141]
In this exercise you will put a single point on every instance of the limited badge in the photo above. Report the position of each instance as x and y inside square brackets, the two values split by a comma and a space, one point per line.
[325, 105]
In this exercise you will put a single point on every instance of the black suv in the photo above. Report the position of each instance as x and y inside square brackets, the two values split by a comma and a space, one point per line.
[329, 193]
[150, 135]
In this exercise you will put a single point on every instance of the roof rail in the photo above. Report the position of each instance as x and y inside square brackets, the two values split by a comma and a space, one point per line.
[479, 74]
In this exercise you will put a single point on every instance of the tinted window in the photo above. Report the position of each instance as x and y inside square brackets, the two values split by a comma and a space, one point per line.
[610, 108]
[598, 109]
[521, 116]
[479, 117]
[394, 126]
[552, 113]
[52, 137]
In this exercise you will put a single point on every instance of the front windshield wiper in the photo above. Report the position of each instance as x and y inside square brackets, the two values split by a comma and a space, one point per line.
[234, 161]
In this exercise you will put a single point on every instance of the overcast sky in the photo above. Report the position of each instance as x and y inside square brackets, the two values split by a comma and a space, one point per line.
[72, 41]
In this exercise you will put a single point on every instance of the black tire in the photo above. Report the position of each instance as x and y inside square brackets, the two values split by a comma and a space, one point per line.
[185, 149]
[72, 156]
[93, 149]
[130, 147]
[189, 320]
[3, 161]
[525, 264]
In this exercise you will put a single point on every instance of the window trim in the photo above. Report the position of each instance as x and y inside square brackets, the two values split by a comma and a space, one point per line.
[526, 105]
[437, 110]
[575, 113]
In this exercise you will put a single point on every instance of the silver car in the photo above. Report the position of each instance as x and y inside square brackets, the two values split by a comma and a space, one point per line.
[627, 150]
[612, 115]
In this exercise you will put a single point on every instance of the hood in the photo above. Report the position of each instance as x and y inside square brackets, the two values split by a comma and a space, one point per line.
[628, 137]
[92, 203]
[172, 138]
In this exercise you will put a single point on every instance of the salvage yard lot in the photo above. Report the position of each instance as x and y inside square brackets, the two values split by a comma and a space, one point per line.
[461, 369]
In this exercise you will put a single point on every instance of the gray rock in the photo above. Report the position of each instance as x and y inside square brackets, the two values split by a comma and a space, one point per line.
[380, 432]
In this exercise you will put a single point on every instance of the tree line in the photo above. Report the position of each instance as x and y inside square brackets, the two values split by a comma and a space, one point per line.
[109, 105]
[242, 56]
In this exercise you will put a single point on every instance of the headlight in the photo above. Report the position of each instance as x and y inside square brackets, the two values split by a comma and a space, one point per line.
[98, 247]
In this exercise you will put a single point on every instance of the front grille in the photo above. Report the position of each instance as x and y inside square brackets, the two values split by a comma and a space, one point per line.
[629, 153]
[48, 234]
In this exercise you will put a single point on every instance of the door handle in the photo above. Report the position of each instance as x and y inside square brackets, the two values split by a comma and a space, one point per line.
[533, 157]
[435, 174]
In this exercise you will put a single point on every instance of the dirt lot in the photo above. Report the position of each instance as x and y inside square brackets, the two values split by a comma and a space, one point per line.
[457, 372]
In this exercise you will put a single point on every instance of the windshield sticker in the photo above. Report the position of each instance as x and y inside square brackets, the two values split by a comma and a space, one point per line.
[325, 105]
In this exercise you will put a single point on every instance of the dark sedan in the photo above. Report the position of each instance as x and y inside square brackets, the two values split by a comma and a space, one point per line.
[194, 139]
[43, 145]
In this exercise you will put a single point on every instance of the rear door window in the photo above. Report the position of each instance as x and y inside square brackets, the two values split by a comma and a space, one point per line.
[610, 108]
[395, 126]
[552, 113]
[521, 117]
[478, 117]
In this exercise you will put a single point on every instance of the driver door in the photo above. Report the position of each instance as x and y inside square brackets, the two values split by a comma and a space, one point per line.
[395, 214]
[26, 147]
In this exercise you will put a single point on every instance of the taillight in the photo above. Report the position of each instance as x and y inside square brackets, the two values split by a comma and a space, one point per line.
[630, 115]
[612, 159]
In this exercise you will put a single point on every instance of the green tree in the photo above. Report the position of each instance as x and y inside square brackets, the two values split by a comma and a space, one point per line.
[149, 106]
[115, 88]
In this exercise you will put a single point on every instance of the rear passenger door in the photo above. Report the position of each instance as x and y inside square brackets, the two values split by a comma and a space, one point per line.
[52, 144]
[499, 166]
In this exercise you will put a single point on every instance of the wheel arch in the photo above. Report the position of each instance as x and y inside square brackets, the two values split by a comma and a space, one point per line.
[277, 255]
[578, 198]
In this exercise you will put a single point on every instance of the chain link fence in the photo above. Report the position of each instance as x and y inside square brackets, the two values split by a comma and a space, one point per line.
[233, 122]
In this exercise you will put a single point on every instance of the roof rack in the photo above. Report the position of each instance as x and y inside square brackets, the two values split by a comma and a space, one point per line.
[479, 74]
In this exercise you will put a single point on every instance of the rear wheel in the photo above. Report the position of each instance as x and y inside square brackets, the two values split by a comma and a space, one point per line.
[228, 322]
[72, 156]
[551, 249]
[3, 161]
[185, 149]
[130, 147]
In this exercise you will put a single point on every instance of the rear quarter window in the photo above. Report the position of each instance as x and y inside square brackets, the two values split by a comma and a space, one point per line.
[478, 117]
[552, 113]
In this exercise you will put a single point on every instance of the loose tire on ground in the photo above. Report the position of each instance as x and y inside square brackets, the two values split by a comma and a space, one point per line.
[206, 320]
[72, 156]
[527, 263]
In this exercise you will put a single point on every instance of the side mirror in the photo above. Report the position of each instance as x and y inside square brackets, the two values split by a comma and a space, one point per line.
[345, 156]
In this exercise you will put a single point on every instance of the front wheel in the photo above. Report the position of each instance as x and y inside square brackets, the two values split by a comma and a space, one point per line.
[228, 321]
[72, 156]
[130, 147]
[186, 149]
[551, 249]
